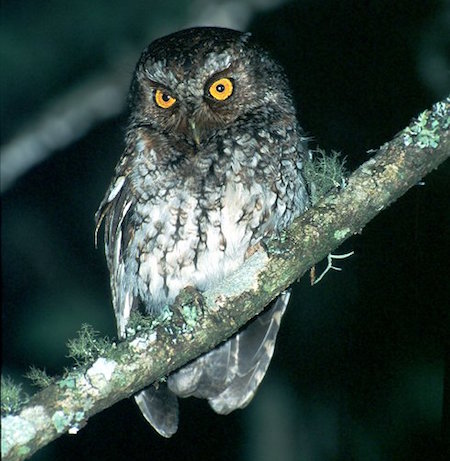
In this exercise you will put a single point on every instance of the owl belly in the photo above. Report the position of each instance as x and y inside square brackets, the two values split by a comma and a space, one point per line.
[192, 241]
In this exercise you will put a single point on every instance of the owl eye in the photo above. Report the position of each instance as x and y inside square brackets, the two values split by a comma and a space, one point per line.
[221, 89]
[164, 99]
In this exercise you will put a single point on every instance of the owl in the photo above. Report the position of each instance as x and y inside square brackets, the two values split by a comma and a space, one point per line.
[212, 165]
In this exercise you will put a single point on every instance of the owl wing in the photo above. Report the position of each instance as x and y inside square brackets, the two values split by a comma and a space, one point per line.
[115, 211]
[158, 405]
[229, 375]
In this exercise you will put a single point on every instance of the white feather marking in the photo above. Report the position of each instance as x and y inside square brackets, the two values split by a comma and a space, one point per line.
[119, 234]
[116, 188]
[125, 211]
[117, 248]
[123, 319]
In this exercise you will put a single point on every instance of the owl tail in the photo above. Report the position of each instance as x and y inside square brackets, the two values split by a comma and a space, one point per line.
[160, 408]
[254, 350]
[228, 376]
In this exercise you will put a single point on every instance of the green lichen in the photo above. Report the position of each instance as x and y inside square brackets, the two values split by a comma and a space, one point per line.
[67, 421]
[68, 382]
[341, 233]
[421, 134]
[23, 450]
[79, 416]
[425, 131]
[12, 396]
[139, 323]
[61, 421]
[324, 173]
[190, 316]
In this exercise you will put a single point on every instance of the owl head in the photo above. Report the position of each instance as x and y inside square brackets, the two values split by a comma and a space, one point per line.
[190, 84]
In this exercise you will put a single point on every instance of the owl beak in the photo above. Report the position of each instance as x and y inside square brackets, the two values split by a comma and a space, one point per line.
[195, 132]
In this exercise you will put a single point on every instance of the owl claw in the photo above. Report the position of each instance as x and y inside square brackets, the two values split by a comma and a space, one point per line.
[257, 247]
[188, 308]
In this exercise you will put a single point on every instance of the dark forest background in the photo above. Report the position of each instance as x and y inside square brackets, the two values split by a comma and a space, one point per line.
[358, 371]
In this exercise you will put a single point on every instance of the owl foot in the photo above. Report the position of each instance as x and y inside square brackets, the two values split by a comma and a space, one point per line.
[188, 308]
[260, 246]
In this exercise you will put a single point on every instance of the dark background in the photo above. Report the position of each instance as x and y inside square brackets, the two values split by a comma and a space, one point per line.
[358, 371]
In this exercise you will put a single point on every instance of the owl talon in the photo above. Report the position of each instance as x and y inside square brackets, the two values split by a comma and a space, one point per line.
[260, 246]
[188, 308]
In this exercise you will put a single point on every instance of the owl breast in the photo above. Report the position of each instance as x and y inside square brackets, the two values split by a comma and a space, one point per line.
[194, 230]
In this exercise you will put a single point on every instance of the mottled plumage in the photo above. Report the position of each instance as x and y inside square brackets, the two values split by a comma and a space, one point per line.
[212, 165]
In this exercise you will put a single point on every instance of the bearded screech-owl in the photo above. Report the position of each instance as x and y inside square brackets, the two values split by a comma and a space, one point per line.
[212, 165]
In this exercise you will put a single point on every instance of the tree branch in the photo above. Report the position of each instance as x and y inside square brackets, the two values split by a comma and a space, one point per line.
[200, 322]
[65, 120]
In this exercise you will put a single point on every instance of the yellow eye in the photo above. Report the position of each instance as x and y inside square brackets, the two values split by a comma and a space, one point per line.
[221, 89]
[163, 99]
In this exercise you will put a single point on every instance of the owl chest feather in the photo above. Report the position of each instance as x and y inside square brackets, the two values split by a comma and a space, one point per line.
[194, 238]
[193, 218]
